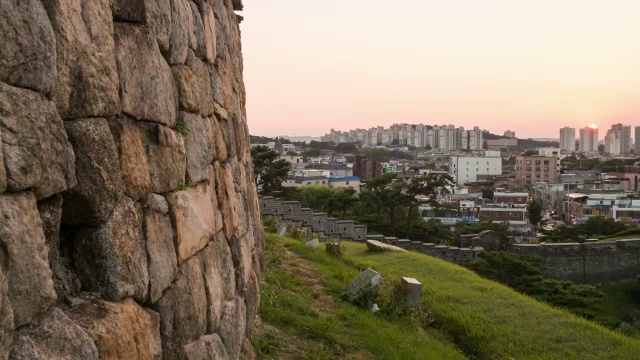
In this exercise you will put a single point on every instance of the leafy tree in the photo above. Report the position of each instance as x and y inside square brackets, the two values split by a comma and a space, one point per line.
[342, 199]
[292, 153]
[522, 273]
[312, 153]
[346, 148]
[422, 186]
[535, 212]
[269, 172]
[428, 147]
[601, 226]
[385, 193]
[487, 193]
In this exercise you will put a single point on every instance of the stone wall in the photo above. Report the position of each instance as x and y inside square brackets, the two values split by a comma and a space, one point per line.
[602, 262]
[129, 221]
[587, 263]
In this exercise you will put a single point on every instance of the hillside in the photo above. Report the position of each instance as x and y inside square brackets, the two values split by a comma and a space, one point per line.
[472, 316]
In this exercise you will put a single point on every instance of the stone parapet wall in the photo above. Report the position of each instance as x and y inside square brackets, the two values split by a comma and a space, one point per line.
[587, 263]
[603, 262]
[130, 226]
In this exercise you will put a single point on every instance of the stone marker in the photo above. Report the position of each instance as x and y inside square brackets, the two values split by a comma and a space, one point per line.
[413, 296]
[375, 245]
[282, 231]
[366, 278]
[313, 244]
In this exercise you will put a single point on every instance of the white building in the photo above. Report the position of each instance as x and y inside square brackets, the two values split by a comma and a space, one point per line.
[568, 139]
[466, 169]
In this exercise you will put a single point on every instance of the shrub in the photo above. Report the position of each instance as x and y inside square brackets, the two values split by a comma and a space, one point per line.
[363, 298]
[334, 248]
[391, 301]
[270, 224]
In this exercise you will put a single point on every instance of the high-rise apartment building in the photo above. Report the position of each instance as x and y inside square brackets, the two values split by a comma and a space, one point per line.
[535, 169]
[618, 140]
[568, 139]
[510, 134]
[589, 139]
[637, 140]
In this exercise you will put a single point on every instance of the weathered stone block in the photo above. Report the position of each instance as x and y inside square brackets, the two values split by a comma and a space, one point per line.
[28, 51]
[134, 165]
[3, 172]
[183, 310]
[65, 282]
[252, 300]
[207, 347]
[162, 255]
[53, 336]
[121, 330]
[155, 14]
[199, 146]
[226, 83]
[197, 31]
[209, 37]
[232, 326]
[24, 257]
[227, 197]
[147, 90]
[181, 30]
[186, 84]
[195, 214]
[217, 270]
[415, 291]
[367, 278]
[167, 157]
[375, 245]
[37, 153]
[6, 318]
[87, 82]
[218, 136]
[112, 259]
[99, 185]
[202, 84]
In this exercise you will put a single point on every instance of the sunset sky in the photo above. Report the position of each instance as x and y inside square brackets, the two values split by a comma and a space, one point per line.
[527, 66]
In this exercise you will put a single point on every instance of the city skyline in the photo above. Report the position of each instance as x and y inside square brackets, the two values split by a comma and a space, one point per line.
[527, 67]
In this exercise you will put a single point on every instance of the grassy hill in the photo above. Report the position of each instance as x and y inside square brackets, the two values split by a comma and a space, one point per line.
[472, 317]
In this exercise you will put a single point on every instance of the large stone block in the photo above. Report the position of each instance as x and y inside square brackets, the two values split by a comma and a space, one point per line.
[226, 83]
[155, 14]
[147, 90]
[87, 82]
[99, 185]
[181, 30]
[207, 347]
[216, 273]
[28, 51]
[227, 199]
[197, 31]
[222, 28]
[53, 336]
[167, 157]
[112, 260]
[187, 86]
[209, 40]
[65, 281]
[24, 257]
[37, 153]
[6, 318]
[218, 139]
[199, 145]
[161, 252]
[121, 330]
[232, 326]
[183, 310]
[3, 172]
[134, 165]
[202, 84]
[195, 214]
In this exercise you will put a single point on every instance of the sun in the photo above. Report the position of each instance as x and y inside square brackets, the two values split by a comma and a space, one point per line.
[593, 126]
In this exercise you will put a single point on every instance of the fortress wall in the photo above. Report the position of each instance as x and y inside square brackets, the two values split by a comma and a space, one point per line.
[130, 226]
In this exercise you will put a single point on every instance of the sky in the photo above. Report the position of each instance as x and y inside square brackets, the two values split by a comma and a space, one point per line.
[527, 66]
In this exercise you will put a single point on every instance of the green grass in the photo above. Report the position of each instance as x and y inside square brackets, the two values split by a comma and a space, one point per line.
[304, 318]
[492, 321]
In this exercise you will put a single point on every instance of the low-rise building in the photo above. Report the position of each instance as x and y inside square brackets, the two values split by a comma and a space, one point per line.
[345, 182]
[467, 169]
[514, 216]
[519, 199]
[535, 169]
